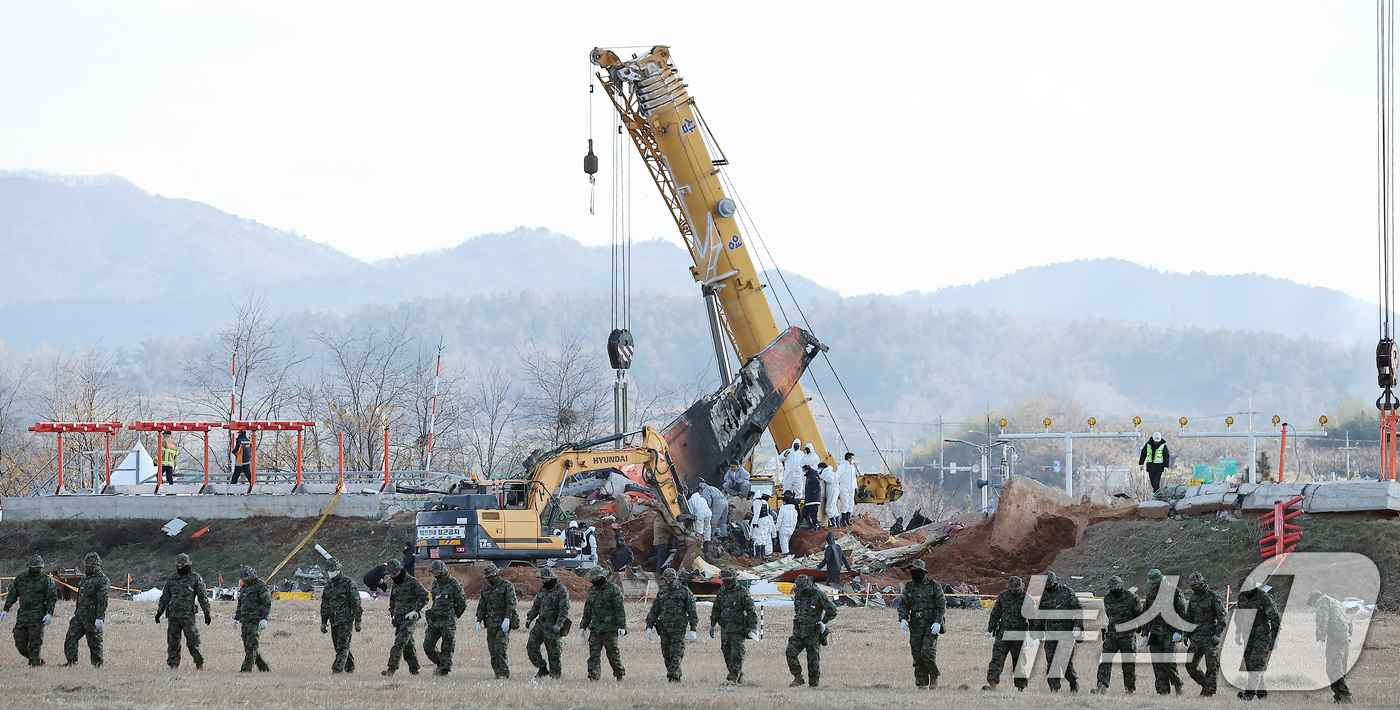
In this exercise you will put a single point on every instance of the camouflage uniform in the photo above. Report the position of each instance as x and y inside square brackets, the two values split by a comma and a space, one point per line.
[921, 605]
[177, 602]
[671, 611]
[1166, 675]
[1262, 634]
[341, 610]
[604, 615]
[810, 607]
[496, 605]
[91, 609]
[254, 608]
[549, 613]
[734, 612]
[37, 595]
[1335, 630]
[1058, 597]
[449, 604]
[408, 596]
[1006, 616]
[1122, 606]
[1207, 612]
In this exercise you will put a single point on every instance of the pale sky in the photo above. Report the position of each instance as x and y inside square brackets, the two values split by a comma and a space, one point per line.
[880, 147]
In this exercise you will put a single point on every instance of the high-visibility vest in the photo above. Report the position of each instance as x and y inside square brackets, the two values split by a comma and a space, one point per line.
[167, 455]
[1154, 453]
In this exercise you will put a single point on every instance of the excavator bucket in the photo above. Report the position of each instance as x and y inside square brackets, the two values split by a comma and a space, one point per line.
[663, 480]
[727, 425]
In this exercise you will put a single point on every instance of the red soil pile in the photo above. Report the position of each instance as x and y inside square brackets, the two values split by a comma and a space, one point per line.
[527, 584]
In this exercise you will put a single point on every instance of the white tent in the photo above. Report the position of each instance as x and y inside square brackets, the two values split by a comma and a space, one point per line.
[134, 468]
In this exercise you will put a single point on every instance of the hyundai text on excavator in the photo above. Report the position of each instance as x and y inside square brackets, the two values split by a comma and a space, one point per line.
[684, 160]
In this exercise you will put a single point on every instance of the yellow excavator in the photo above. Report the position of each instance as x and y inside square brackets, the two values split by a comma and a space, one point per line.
[684, 160]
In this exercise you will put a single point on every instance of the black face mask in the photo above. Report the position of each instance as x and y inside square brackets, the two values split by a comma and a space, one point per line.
[398, 577]
[183, 570]
[917, 574]
[600, 581]
[549, 583]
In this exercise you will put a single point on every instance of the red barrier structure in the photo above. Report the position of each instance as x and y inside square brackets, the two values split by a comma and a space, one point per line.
[107, 429]
[162, 427]
[1280, 537]
[256, 426]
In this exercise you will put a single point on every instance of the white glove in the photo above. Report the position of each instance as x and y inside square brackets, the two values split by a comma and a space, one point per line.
[262, 625]
[904, 624]
[821, 626]
[235, 624]
[691, 637]
[1035, 643]
[1077, 632]
[622, 632]
[478, 628]
[505, 625]
[648, 633]
[1319, 647]
[411, 615]
[48, 619]
[98, 624]
[753, 634]
[1239, 640]
[989, 634]
[1176, 638]
[582, 633]
[935, 627]
[4, 614]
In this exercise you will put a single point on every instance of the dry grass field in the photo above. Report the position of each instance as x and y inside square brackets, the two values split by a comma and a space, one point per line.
[867, 666]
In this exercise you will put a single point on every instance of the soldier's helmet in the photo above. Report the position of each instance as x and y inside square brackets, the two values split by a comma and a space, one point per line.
[1115, 582]
[1015, 583]
[919, 565]
[36, 561]
[92, 559]
[182, 560]
[393, 567]
[1195, 579]
[490, 570]
[332, 564]
[1313, 597]
[597, 573]
[548, 573]
[437, 567]
[1051, 579]
[668, 573]
[728, 573]
[1248, 585]
[1154, 576]
[246, 573]
[804, 580]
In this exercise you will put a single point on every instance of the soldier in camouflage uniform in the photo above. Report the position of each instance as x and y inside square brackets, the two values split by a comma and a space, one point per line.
[921, 611]
[1333, 634]
[177, 601]
[734, 612]
[406, 604]
[496, 609]
[89, 614]
[254, 607]
[1263, 635]
[671, 611]
[449, 604]
[551, 610]
[1207, 612]
[1006, 616]
[812, 610]
[340, 609]
[37, 595]
[1058, 597]
[605, 616]
[1162, 635]
[1122, 606]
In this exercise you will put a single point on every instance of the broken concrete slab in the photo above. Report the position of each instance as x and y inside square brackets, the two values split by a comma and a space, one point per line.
[1352, 496]
[1154, 509]
[1199, 504]
[1023, 501]
[1100, 497]
[1264, 497]
[1214, 489]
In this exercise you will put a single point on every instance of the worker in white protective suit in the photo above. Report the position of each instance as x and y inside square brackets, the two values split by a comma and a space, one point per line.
[846, 475]
[719, 510]
[792, 466]
[787, 523]
[831, 494]
[701, 510]
[809, 457]
[763, 533]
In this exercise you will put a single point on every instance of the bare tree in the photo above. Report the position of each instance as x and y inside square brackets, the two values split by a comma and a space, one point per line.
[566, 397]
[452, 412]
[491, 435]
[368, 387]
[84, 386]
[15, 446]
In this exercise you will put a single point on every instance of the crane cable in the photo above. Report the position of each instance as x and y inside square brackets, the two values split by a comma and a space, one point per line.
[753, 228]
[1385, 207]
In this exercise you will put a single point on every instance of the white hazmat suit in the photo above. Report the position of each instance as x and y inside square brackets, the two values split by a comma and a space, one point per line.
[846, 475]
[701, 510]
[787, 525]
[831, 493]
[792, 466]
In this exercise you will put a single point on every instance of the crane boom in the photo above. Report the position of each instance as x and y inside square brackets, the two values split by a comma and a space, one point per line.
[684, 161]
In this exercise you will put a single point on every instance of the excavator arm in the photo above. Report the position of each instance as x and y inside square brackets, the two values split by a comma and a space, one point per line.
[552, 470]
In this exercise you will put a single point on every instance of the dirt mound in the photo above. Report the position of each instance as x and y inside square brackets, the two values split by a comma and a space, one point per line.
[527, 584]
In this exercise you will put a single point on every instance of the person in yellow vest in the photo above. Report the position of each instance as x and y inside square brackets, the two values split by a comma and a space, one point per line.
[1155, 458]
[168, 452]
[242, 458]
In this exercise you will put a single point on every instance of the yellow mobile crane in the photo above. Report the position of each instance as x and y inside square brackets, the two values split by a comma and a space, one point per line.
[684, 161]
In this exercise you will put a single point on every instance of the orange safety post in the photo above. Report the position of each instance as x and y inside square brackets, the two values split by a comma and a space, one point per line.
[298, 458]
[1282, 449]
[160, 467]
[1389, 420]
[1280, 537]
[107, 464]
[385, 487]
[60, 463]
[340, 457]
[206, 458]
[253, 461]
